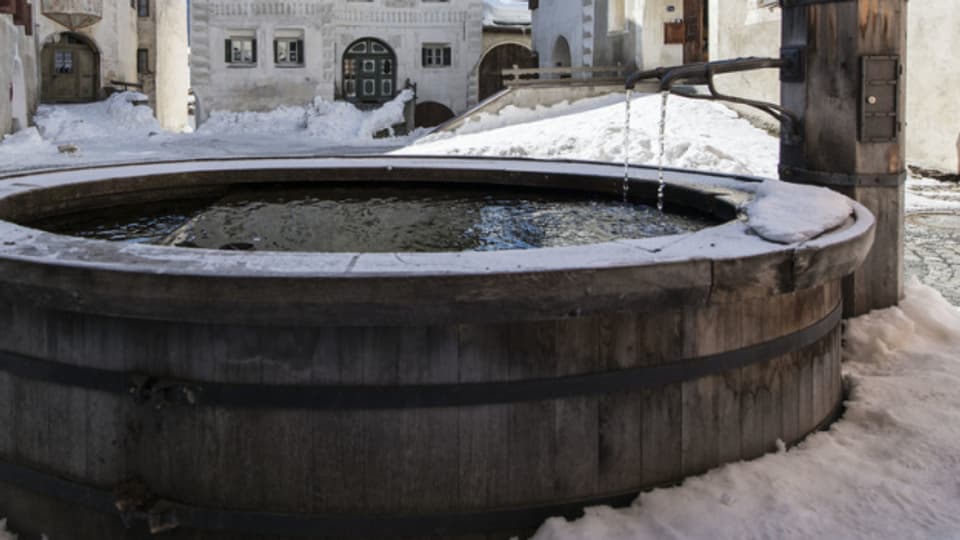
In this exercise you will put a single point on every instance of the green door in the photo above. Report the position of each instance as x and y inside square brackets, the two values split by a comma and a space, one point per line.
[369, 72]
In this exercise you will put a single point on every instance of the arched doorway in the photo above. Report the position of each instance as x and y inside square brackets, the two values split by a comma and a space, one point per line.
[431, 114]
[499, 58]
[369, 72]
[561, 53]
[70, 69]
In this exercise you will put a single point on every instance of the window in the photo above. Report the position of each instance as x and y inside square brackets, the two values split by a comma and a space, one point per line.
[63, 61]
[436, 55]
[288, 48]
[143, 61]
[241, 48]
[143, 8]
[616, 16]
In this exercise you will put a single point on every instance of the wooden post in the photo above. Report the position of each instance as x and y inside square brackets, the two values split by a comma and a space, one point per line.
[851, 98]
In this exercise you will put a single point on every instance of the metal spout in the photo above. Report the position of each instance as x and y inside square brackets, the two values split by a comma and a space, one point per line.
[703, 73]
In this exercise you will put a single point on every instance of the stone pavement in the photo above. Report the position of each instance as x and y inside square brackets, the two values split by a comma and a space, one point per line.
[932, 238]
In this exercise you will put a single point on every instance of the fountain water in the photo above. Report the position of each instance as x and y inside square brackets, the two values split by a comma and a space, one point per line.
[626, 149]
[661, 187]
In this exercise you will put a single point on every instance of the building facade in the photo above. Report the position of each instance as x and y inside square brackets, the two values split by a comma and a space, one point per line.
[254, 55]
[87, 46]
[633, 33]
[90, 48]
[506, 43]
[19, 81]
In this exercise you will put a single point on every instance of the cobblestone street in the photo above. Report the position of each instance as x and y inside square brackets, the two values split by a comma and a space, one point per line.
[932, 236]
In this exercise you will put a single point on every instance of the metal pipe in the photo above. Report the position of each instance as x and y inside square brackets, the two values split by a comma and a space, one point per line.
[702, 74]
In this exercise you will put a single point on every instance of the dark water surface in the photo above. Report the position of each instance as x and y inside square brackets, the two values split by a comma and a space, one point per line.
[379, 219]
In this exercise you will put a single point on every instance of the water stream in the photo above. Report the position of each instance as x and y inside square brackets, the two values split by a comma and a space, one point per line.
[626, 149]
[663, 136]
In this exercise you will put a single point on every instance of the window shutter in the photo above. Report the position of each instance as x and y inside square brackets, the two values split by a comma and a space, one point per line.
[28, 20]
[254, 51]
[8, 6]
[20, 12]
[446, 56]
[276, 51]
[228, 54]
[423, 54]
[303, 52]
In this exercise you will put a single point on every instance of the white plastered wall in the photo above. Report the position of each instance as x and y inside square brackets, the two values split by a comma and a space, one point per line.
[18, 77]
[653, 14]
[553, 20]
[743, 28]
[933, 77]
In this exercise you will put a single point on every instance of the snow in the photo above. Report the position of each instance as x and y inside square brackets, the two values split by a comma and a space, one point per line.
[323, 121]
[789, 213]
[888, 469]
[26, 142]
[4, 533]
[700, 135]
[115, 117]
[117, 130]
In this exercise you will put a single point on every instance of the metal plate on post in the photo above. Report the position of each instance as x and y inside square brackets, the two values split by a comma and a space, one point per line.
[879, 99]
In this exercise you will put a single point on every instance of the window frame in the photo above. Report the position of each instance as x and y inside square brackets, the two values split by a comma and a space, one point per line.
[143, 61]
[299, 42]
[230, 51]
[436, 55]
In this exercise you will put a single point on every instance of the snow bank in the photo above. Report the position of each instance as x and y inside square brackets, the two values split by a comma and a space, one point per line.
[888, 469]
[789, 213]
[700, 135]
[25, 146]
[116, 117]
[330, 122]
[512, 115]
[4, 533]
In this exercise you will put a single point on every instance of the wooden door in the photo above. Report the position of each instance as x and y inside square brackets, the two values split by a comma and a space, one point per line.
[695, 23]
[500, 58]
[69, 72]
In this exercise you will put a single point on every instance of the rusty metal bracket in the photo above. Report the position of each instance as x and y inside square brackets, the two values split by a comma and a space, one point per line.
[159, 393]
[792, 70]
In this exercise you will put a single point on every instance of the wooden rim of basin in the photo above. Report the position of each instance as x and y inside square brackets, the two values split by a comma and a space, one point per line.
[717, 264]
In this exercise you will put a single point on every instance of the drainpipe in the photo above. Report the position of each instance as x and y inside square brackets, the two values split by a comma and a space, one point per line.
[851, 101]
